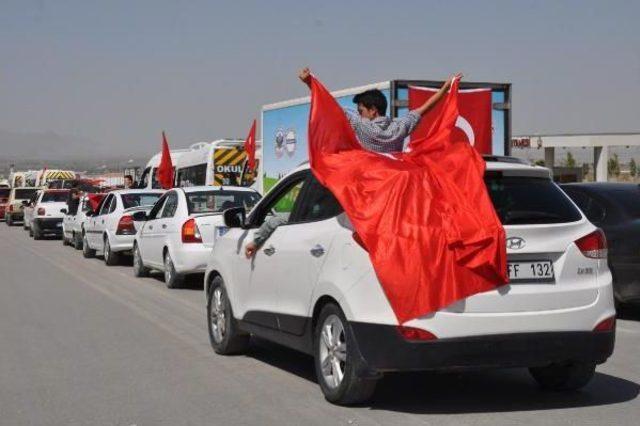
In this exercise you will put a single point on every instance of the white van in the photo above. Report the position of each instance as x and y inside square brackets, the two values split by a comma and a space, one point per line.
[148, 179]
[219, 163]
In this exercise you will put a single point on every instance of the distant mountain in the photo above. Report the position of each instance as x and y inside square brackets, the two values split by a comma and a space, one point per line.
[48, 146]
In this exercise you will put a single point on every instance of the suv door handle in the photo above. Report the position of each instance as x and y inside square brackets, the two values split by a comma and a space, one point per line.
[317, 250]
[269, 251]
[164, 226]
[150, 226]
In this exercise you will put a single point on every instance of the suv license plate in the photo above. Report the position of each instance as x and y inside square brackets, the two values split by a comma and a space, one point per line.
[531, 271]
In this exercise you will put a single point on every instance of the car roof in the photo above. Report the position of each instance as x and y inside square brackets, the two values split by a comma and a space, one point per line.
[513, 165]
[207, 188]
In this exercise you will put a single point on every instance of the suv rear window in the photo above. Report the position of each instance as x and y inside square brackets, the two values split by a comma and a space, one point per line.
[55, 197]
[25, 194]
[529, 200]
[4, 192]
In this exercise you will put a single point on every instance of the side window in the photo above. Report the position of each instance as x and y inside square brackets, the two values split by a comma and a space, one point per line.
[318, 203]
[171, 205]
[155, 210]
[114, 204]
[105, 205]
[284, 202]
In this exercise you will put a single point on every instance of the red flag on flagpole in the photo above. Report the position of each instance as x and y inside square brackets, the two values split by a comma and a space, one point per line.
[424, 216]
[165, 169]
[250, 146]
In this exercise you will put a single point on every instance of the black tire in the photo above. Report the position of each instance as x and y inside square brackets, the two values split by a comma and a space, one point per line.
[24, 225]
[37, 235]
[77, 241]
[171, 278]
[65, 241]
[110, 257]
[564, 377]
[139, 270]
[30, 232]
[224, 334]
[351, 389]
[87, 252]
[9, 220]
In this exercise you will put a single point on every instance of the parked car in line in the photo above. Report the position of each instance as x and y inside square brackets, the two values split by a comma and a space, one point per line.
[111, 228]
[45, 213]
[615, 207]
[178, 233]
[4, 201]
[312, 287]
[73, 223]
[13, 211]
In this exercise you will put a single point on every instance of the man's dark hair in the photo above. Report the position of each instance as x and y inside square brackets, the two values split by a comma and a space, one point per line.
[372, 99]
[128, 177]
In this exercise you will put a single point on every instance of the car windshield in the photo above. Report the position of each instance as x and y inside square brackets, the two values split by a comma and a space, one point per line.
[139, 199]
[25, 194]
[528, 200]
[628, 199]
[218, 201]
[55, 197]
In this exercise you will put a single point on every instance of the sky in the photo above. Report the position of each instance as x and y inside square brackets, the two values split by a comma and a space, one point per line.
[116, 73]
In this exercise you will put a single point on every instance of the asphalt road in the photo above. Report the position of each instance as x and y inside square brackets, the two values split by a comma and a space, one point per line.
[86, 344]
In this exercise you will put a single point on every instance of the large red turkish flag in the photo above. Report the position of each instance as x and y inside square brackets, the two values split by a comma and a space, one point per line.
[424, 216]
[473, 123]
[250, 146]
[165, 169]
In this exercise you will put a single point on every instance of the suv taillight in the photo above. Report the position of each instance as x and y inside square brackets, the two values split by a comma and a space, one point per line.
[593, 245]
[415, 334]
[41, 211]
[190, 232]
[608, 324]
[125, 226]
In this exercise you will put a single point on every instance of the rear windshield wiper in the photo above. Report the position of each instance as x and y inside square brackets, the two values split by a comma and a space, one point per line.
[525, 217]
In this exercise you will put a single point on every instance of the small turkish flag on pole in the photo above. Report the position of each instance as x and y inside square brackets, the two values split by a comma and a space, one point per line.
[250, 146]
[165, 169]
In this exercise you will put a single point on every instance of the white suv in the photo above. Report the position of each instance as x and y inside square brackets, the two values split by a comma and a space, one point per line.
[111, 228]
[178, 233]
[312, 287]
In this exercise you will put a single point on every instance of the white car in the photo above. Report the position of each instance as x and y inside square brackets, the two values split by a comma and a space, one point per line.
[73, 223]
[111, 228]
[178, 234]
[43, 216]
[312, 287]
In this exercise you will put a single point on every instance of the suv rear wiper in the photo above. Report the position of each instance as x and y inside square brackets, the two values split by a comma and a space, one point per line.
[525, 217]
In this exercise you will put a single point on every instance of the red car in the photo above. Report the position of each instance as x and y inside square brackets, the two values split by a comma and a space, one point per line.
[4, 201]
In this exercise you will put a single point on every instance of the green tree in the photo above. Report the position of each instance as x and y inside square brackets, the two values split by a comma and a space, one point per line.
[633, 168]
[570, 161]
[613, 165]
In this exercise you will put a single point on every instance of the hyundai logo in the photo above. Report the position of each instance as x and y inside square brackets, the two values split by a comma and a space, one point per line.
[515, 243]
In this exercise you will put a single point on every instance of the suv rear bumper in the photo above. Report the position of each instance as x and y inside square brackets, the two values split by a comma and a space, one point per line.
[383, 349]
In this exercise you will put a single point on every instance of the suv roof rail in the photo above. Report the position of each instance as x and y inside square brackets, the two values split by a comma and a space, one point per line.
[504, 159]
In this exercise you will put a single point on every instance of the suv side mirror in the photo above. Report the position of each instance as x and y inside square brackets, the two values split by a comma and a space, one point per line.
[139, 216]
[235, 217]
[25, 203]
[63, 211]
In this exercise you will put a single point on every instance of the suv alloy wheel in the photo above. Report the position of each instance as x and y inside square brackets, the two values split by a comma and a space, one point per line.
[335, 352]
[224, 335]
